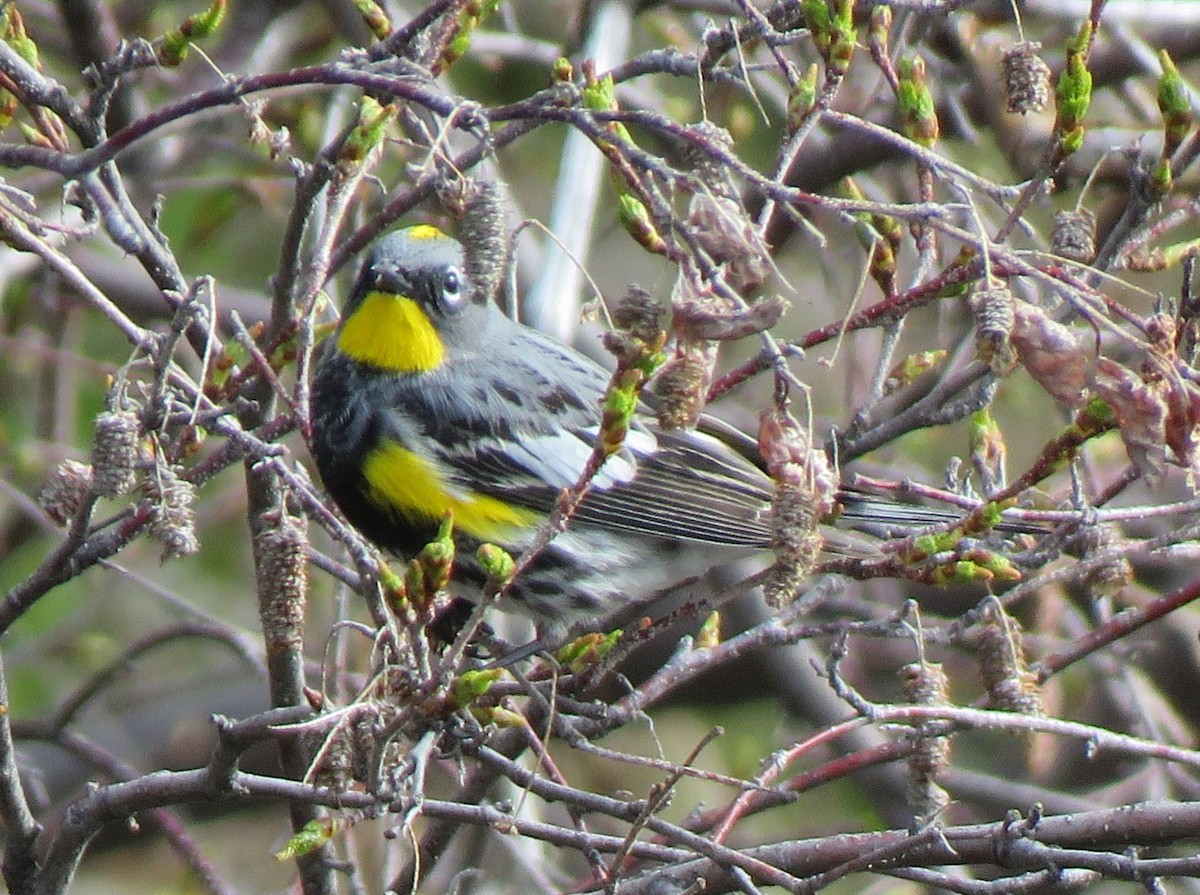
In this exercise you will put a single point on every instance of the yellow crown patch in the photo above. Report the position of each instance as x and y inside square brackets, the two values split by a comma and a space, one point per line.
[425, 231]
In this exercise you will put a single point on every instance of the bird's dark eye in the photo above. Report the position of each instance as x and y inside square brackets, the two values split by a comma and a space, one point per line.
[453, 296]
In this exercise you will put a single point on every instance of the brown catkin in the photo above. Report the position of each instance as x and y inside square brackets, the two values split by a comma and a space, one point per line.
[1073, 235]
[347, 755]
[174, 521]
[1010, 685]
[1026, 78]
[704, 157]
[281, 557]
[640, 314]
[795, 541]
[925, 683]
[484, 238]
[995, 309]
[115, 453]
[805, 490]
[681, 386]
[65, 490]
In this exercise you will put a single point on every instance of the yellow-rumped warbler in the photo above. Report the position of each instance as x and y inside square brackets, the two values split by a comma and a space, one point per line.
[425, 401]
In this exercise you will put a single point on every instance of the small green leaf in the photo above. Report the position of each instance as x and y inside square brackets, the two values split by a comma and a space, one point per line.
[470, 686]
[375, 17]
[587, 650]
[174, 46]
[1174, 103]
[918, 114]
[635, 218]
[311, 837]
[368, 132]
[1073, 94]
[803, 97]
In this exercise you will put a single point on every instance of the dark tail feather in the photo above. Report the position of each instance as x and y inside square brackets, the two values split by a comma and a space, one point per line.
[888, 519]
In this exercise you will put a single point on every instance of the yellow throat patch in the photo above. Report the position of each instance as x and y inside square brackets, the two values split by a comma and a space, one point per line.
[407, 485]
[391, 332]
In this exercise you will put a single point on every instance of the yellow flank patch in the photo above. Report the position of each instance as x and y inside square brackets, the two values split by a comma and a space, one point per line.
[393, 333]
[425, 231]
[403, 483]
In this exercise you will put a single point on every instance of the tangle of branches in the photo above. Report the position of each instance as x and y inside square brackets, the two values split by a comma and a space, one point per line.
[922, 241]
